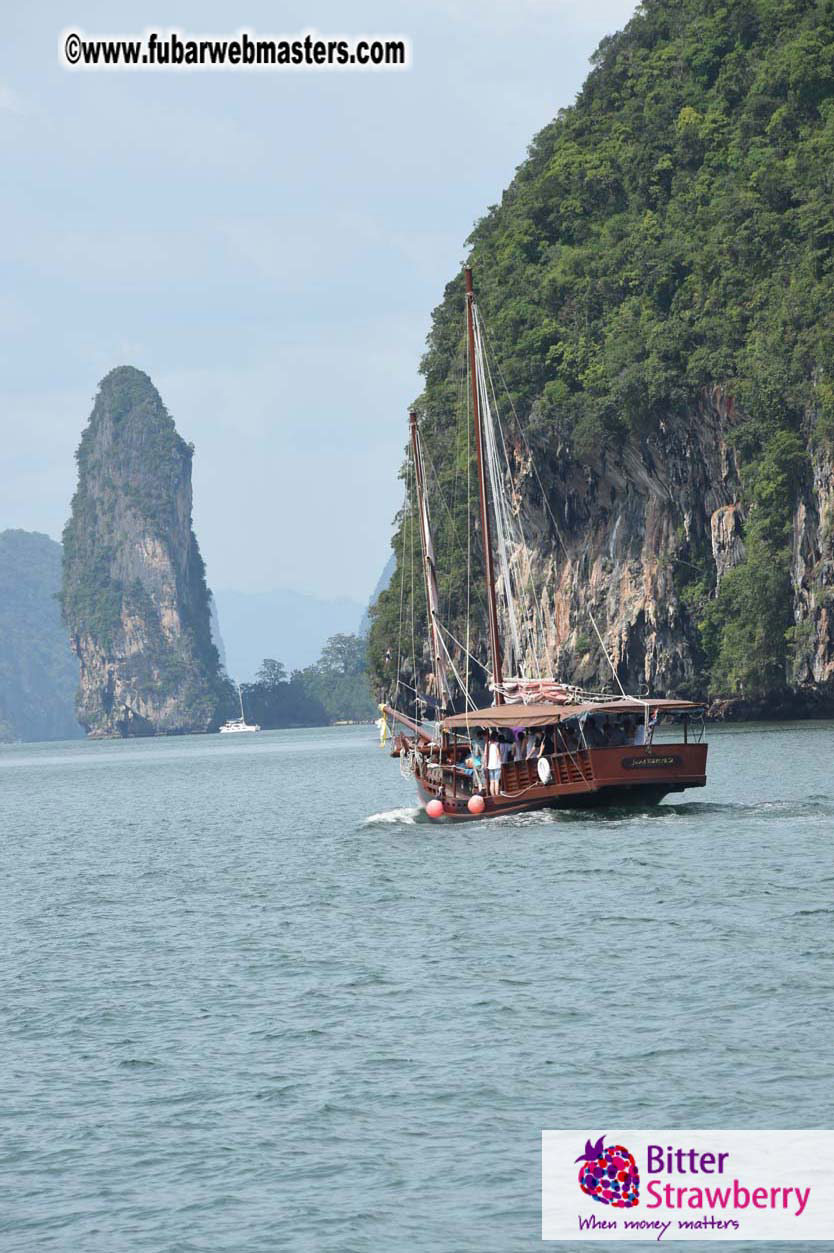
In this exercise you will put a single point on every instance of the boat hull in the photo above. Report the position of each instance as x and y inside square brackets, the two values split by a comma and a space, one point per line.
[591, 779]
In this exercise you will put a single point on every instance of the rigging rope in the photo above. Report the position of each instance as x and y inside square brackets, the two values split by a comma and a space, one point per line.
[469, 441]
[538, 640]
[413, 637]
[459, 412]
[556, 526]
[533, 633]
[455, 640]
[510, 529]
[464, 689]
[498, 500]
[430, 571]
[402, 582]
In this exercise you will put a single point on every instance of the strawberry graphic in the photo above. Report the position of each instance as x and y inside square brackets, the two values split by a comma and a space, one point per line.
[609, 1175]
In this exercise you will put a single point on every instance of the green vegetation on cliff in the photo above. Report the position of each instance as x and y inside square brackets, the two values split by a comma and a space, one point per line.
[745, 629]
[671, 232]
[38, 673]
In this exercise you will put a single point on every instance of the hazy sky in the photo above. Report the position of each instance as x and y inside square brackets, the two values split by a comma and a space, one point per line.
[267, 246]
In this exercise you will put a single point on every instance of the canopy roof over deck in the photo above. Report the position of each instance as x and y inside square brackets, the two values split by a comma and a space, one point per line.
[498, 717]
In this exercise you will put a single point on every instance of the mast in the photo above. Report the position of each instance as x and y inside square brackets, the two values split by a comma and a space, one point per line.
[429, 567]
[240, 698]
[489, 573]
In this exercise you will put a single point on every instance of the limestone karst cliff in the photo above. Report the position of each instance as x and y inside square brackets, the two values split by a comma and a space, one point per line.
[134, 596]
[657, 284]
[651, 529]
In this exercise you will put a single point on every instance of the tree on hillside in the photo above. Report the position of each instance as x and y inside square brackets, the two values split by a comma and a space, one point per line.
[339, 679]
[333, 689]
[343, 654]
[271, 674]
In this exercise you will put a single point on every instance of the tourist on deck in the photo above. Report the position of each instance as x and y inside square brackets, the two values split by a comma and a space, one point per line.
[520, 750]
[494, 766]
[533, 747]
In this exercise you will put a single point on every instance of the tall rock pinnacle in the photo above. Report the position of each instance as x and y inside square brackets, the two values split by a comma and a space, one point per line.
[134, 590]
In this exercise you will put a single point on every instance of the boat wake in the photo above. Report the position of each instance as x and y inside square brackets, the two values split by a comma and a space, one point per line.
[396, 817]
[810, 807]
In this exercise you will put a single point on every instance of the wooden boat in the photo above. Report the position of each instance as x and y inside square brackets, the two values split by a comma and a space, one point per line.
[575, 773]
[542, 744]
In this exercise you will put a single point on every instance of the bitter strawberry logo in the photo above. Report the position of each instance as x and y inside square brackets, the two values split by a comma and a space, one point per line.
[610, 1175]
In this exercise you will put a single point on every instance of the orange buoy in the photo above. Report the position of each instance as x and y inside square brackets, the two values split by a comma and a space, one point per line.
[434, 809]
[476, 804]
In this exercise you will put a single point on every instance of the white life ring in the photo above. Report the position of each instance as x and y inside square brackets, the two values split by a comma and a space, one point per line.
[545, 773]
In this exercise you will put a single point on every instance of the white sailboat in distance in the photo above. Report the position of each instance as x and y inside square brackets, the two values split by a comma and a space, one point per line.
[235, 725]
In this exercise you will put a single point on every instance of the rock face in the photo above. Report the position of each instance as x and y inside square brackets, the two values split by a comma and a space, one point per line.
[648, 533]
[134, 591]
[632, 522]
[812, 577]
[640, 526]
[38, 672]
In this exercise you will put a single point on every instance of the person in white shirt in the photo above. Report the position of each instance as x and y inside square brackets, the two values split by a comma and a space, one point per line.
[494, 766]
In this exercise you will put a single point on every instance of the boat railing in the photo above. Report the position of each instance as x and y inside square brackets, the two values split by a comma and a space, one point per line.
[573, 767]
[565, 768]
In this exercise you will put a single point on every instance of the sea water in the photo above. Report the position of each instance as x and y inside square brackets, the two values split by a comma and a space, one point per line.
[253, 1000]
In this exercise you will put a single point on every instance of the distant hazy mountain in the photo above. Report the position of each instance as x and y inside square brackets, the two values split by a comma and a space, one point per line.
[216, 636]
[288, 626]
[38, 672]
[383, 581]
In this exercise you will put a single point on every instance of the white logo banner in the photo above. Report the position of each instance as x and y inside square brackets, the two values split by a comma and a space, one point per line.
[687, 1185]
